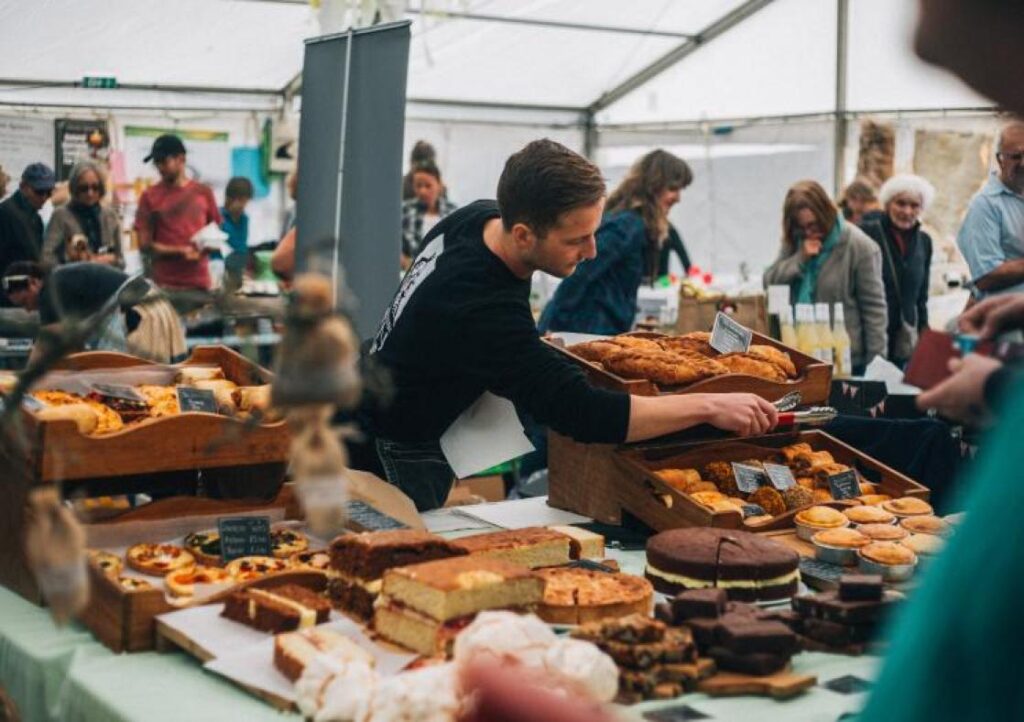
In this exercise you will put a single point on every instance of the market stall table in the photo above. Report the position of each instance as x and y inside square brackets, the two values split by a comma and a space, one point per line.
[66, 674]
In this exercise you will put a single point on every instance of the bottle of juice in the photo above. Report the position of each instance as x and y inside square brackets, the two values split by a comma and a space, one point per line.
[824, 328]
[787, 332]
[841, 343]
[806, 333]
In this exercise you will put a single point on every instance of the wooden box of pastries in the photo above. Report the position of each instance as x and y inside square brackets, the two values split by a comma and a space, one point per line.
[649, 364]
[104, 415]
[670, 485]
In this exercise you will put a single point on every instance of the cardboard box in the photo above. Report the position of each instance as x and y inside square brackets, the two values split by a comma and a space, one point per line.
[698, 314]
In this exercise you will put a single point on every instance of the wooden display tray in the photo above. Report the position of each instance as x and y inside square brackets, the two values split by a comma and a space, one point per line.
[603, 481]
[814, 378]
[59, 452]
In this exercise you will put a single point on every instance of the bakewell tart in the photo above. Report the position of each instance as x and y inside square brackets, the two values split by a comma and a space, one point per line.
[869, 515]
[280, 609]
[888, 553]
[579, 596]
[818, 518]
[843, 537]
[883, 532]
[316, 560]
[924, 545]
[747, 566]
[908, 506]
[926, 525]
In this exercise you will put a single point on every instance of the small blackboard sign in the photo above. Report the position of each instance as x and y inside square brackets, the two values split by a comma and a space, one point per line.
[848, 684]
[780, 476]
[244, 536]
[844, 485]
[193, 399]
[748, 478]
[680, 713]
[730, 336]
[750, 510]
[817, 574]
[118, 391]
[370, 519]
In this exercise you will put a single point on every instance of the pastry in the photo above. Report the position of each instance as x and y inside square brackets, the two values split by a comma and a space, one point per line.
[869, 515]
[109, 564]
[708, 498]
[294, 651]
[769, 499]
[246, 568]
[662, 367]
[158, 559]
[187, 375]
[745, 565]
[133, 584]
[908, 506]
[873, 499]
[752, 365]
[85, 416]
[777, 356]
[867, 488]
[789, 454]
[205, 547]
[883, 532]
[797, 497]
[687, 343]
[107, 420]
[318, 560]
[842, 537]
[280, 609]
[924, 545]
[806, 482]
[822, 496]
[284, 543]
[532, 547]
[578, 596]
[596, 351]
[162, 400]
[358, 561]
[822, 517]
[927, 524]
[423, 607]
[679, 479]
[181, 582]
[888, 553]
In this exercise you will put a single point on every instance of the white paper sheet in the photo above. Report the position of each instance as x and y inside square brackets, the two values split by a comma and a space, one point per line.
[486, 434]
[521, 513]
[452, 519]
[879, 369]
[253, 664]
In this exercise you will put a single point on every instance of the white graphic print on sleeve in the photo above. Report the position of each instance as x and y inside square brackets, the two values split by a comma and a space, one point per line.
[421, 269]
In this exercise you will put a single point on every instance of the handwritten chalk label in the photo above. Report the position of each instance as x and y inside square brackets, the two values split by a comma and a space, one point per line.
[370, 519]
[820, 575]
[244, 536]
[780, 476]
[117, 391]
[844, 485]
[748, 478]
[730, 336]
[750, 510]
[192, 399]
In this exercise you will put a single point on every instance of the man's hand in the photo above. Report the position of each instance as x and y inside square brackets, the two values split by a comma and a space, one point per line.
[744, 414]
[961, 397]
[191, 253]
[810, 248]
[994, 315]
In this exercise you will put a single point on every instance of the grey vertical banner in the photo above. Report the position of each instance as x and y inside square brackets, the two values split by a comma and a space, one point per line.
[350, 163]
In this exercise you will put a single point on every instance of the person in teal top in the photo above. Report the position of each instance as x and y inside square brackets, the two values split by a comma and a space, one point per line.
[236, 224]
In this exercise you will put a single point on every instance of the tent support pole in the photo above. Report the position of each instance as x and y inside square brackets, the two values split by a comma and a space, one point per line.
[841, 121]
[590, 136]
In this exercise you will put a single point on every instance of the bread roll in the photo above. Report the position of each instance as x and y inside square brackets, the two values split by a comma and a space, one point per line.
[84, 416]
[188, 375]
[222, 391]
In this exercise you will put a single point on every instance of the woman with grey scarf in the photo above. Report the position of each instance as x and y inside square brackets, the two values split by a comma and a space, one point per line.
[83, 229]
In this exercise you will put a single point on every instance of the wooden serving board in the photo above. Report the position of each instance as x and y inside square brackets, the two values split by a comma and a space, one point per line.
[781, 685]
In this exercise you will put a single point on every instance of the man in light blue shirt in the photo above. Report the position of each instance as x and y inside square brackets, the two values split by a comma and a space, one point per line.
[992, 235]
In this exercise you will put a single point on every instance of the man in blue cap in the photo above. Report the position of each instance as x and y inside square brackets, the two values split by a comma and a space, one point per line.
[21, 228]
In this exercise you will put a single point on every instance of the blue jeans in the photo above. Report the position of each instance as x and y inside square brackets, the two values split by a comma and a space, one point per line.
[419, 470]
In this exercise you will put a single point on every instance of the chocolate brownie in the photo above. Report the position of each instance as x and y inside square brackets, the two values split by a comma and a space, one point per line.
[352, 598]
[681, 559]
[860, 588]
[704, 632]
[368, 555]
[676, 647]
[756, 637]
[836, 634]
[757, 664]
[827, 605]
[699, 603]
[663, 613]
[634, 629]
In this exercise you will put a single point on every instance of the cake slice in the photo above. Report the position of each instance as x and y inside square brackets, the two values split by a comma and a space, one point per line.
[424, 606]
[583, 544]
[281, 609]
[359, 560]
[532, 547]
[294, 650]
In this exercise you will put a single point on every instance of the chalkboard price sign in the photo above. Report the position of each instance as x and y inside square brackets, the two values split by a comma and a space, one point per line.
[844, 485]
[367, 518]
[192, 399]
[244, 536]
[748, 478]
[780, 476]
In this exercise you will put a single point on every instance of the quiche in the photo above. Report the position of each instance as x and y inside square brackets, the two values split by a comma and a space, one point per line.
[181, 583]
[577, 596]
[158, 559]
[246, 568]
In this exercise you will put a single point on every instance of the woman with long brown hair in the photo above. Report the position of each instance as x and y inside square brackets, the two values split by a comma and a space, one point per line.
[600, 297]
[825, 259]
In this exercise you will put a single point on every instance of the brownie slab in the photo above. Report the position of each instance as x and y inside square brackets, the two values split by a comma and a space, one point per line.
[757, 637]
[699, 603]
[756, 664]
[860, 588]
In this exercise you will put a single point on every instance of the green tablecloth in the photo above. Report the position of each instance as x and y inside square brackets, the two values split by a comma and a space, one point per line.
[65, 674]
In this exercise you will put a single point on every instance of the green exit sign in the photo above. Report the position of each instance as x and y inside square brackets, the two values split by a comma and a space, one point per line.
[99, 81]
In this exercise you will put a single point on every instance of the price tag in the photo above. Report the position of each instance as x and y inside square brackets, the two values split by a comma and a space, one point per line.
[748, 478]
[117, 391]
[682, 713]
[844, 485]
[244, 536]
[750, 510]
[193, 399]
[820, 575]
[367, 518]
[780, 476]
[730, 336]
[848, 684]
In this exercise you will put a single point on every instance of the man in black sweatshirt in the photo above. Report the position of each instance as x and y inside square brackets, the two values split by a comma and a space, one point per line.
[460, 325]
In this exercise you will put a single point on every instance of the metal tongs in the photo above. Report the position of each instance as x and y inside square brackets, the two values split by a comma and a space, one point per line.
[812, 416]
[789, 402]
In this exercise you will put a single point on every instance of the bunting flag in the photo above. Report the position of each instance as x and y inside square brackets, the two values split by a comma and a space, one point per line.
[846, 388]
[853, 391]
[881, 407]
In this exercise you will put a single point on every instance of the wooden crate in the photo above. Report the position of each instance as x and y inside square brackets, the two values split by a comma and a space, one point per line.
[602, 482]
[814, 379]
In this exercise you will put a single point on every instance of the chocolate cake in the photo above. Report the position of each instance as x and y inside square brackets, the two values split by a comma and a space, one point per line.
[748, 567]
[280, 609]
[360, 560]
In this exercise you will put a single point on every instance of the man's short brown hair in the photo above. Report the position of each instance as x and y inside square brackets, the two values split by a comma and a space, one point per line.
[544, 180]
